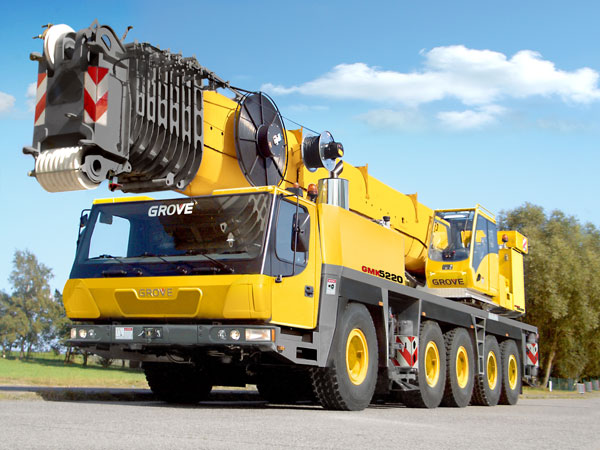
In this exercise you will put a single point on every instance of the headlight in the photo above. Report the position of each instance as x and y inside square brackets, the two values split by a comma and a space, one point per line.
[82, 333]
[235, 335]
[222, 334]
[73, 333]
[259, 334]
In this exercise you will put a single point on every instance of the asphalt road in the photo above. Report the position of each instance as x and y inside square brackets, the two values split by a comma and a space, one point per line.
[532, 424]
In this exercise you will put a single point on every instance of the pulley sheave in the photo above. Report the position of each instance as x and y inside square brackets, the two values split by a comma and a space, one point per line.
[260, 140]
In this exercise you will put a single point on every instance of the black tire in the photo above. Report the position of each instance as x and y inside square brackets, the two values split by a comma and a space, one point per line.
[430, 388]
[511, 373]
[350, 382]
[488, 386]
[286, 386]
[460, 368]
[177, 383]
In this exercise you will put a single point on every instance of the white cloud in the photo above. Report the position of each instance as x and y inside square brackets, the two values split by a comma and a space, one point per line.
[474, 77]
[470, 119]
[31, 95]
[389, 118]
[7, 102]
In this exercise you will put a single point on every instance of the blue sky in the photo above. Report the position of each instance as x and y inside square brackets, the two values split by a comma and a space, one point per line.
[464, 102]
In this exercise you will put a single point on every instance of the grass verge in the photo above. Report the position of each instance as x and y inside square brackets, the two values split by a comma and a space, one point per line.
[47, 370]
[529, 392]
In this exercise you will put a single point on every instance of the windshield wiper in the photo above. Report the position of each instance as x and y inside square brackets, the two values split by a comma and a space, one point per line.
[221, 264]
[118, 273]
[181, 269]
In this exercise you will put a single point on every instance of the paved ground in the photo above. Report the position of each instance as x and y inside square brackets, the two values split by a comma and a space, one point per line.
[251, 424]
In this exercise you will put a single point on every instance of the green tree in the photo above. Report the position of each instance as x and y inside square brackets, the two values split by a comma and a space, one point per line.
[562, 299]
[10, 322]
[31, 299]
[591, 260]
[55, 323]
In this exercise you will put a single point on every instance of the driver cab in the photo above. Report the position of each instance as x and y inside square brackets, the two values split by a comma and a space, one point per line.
[463, 251]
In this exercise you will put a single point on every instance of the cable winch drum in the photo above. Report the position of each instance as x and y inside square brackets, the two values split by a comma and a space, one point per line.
[260, 140]
[321, 151]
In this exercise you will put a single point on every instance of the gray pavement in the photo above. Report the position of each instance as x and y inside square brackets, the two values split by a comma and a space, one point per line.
[248, 424]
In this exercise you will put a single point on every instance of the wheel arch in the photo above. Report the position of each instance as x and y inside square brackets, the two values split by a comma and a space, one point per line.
[377, 314]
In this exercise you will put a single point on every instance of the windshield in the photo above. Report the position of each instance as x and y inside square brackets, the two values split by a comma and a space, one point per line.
[451, 236]
[216, 233]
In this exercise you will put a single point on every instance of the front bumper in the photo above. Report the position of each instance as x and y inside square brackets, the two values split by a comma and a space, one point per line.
[138, 336]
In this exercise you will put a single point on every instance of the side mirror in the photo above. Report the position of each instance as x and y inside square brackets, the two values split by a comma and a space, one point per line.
[301, 232]
[83, 220]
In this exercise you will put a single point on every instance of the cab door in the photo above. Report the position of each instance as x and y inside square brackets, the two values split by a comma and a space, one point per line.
[295, 290]
[493, 267]
[485, 256]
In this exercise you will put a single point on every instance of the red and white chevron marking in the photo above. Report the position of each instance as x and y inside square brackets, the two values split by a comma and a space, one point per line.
[532, 354]
[40, 99]
[408, 350]
[95, 96]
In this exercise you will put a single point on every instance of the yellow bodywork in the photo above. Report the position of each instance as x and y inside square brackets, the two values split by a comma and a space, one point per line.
[219, 168]
[512, 284]
[186, 297]
[373, 199]
[348, 240]
[138, 198]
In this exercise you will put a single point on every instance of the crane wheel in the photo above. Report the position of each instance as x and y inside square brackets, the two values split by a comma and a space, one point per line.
[511, 373]
[177, 383]
[349, 383]
[460, 365]
[488, 386]
[431, 377]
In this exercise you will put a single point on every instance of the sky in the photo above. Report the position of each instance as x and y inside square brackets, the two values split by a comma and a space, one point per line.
[464, 102]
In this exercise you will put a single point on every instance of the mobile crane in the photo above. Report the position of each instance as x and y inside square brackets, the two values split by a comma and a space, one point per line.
[271, 269]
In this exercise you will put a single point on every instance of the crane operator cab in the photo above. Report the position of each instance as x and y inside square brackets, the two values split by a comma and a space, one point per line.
[468, 259]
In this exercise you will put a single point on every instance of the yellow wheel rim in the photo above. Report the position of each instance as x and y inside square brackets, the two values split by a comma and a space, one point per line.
[513, 372]
[492, 370]
[357, 356]
[462, 367]
[432, 364]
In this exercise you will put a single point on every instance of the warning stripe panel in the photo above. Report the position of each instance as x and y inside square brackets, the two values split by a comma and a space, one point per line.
[97, 74]
[95, 97]
[407, 351]
[40, 99]
[532, 354]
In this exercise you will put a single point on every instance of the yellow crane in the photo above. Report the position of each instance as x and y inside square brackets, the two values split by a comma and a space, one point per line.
[281, 265]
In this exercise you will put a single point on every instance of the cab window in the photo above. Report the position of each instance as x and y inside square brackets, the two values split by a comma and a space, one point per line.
[486, 240]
